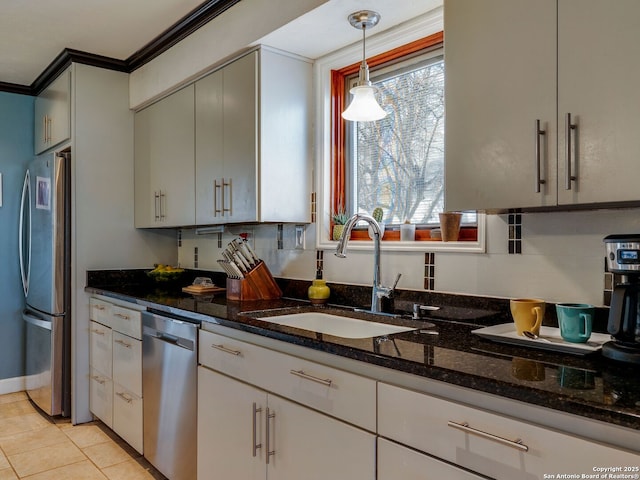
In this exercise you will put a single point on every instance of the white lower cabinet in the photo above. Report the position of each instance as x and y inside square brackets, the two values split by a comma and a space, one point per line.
[399, 462]
[101, 345]
[226, 422]
[127, 416]
[115, 389]
[127, 362]
[101, 397]
[246, 432]
[490, 444]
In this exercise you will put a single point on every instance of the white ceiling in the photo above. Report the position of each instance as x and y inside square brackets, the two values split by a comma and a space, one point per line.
[34, 32]
[327, 29]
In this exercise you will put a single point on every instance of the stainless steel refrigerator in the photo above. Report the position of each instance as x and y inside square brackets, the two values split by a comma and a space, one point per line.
[45, 266]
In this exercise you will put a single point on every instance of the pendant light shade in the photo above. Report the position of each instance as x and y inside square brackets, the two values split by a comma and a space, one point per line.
[364, 107]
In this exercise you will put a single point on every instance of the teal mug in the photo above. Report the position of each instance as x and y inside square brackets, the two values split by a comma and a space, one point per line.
[575, 321]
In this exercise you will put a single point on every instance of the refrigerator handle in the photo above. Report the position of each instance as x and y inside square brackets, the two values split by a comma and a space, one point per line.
[25, 267]
[46, 324]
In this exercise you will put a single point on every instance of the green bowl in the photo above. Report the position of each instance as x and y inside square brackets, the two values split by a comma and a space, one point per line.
[165, 276]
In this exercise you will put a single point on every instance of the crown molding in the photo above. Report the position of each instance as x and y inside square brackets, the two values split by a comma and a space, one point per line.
[15, 88]
[177, 32]
[180, 30]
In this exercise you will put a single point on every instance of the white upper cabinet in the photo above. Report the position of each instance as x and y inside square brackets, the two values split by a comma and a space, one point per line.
[599, 85]
[53, 114]
[505, 72]
[253, 140]
[164, 162]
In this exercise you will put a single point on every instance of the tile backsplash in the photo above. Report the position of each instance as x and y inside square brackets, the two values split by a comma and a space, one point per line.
[561, 257]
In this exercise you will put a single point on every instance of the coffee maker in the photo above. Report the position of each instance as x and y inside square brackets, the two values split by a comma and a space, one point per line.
[623, 259]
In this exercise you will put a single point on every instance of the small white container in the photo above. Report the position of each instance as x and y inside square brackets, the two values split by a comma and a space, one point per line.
[407, 232]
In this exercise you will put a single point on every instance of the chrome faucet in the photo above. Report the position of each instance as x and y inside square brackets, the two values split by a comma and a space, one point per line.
[379, 291]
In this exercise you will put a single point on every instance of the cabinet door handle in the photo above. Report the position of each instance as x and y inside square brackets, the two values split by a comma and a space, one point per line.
[255, 445]
[126, 398]
[124, 344]
[539, 134]
[98, 379]
[225, 349]
[224, 185]
[156, 198]
[216, 186]
[44, 129]
[163, 204]
[517, 443]
[49, 134]
[268, 435]
[97, 332]
[299, 373]
[570, 130]
[121, 315]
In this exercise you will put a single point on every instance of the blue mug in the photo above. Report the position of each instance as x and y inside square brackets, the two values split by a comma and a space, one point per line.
[575, 321]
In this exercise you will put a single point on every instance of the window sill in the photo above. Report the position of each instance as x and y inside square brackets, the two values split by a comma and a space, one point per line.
[472, 240]
[467, 234]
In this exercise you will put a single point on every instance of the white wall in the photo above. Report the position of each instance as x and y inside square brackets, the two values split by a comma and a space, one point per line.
[562, 257]
[102, 193]
[236, 29]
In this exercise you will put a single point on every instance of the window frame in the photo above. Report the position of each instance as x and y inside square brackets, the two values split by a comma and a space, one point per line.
[416, 58]
[331, 169]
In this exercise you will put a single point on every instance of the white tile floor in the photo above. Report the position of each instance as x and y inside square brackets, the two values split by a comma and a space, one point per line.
[34, 447]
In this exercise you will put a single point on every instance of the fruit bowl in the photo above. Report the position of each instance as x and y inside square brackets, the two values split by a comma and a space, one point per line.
[166, 273]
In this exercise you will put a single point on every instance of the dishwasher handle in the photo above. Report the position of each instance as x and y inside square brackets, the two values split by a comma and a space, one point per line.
[168, 338]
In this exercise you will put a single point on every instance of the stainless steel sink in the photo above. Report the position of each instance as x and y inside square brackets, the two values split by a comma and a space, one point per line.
[338, 326]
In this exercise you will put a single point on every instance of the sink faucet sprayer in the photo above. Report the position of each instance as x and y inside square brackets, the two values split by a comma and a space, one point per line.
[379, 291]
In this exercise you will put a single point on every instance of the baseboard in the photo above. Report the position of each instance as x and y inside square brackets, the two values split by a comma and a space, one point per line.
[11, 385]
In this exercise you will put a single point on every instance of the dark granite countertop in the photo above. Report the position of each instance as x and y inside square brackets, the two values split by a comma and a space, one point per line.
[589, 386]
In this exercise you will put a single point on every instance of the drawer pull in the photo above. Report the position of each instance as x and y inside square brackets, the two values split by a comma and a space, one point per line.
[98, 307]
[97, 332]
[98, 379]
[299, 373]
[121, 315]
[126, 398]
[517, 443]
[124, 344]
[225, 349]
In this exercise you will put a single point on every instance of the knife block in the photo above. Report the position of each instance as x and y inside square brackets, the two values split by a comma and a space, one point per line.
[257, 284]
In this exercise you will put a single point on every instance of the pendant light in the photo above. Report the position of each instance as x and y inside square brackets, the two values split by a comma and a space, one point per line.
[364, 106]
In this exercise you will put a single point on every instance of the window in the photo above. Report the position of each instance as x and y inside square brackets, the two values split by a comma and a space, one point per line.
[397, 163]
[397, 167]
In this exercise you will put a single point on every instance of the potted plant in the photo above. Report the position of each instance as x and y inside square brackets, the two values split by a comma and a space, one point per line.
[339, 219]
[377, 215]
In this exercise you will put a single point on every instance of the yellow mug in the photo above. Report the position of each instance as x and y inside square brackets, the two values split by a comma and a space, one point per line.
[527, 314]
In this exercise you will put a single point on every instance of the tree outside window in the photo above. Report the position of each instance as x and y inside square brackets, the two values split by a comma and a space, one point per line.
[397, 163]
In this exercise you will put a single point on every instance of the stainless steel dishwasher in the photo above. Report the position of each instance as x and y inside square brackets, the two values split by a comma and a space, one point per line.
[169, 394]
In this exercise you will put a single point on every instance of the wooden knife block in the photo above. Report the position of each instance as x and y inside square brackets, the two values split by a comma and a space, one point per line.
[258, 284]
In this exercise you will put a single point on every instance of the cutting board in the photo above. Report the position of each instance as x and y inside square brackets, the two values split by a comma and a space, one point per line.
[202, 289]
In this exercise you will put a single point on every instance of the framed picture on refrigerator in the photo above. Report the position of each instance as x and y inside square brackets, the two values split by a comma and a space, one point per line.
[43, 193]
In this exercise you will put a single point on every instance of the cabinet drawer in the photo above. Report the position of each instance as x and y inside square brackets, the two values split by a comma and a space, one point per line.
[127, 362]
[126, 321]
[101, 397]
[397, 462]
[100, 311]
[127, 416]
[512, 449]
[100, 348]
[340, 394]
